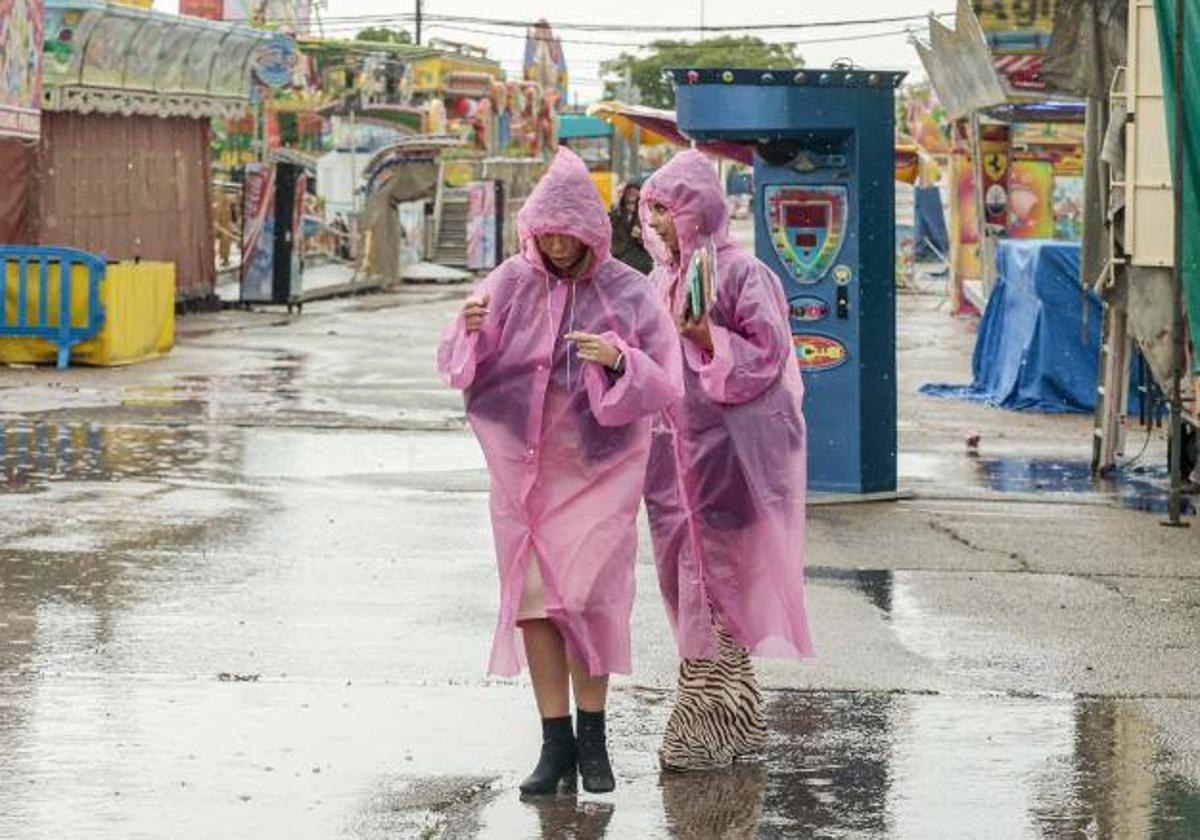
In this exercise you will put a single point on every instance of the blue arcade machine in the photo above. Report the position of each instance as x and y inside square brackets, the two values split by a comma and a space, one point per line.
[824, 221]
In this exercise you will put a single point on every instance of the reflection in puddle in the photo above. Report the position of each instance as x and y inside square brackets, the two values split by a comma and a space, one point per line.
[921, 766]
[723, 803]
[1144, 489]
[34, 455]
[566, 816]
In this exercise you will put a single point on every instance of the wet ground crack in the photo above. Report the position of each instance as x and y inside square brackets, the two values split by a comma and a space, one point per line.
[953, 534]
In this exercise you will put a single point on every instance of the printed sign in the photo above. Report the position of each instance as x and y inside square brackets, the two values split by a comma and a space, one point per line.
[819, 352]
[20, 68]
[207, 9]
[275, 61]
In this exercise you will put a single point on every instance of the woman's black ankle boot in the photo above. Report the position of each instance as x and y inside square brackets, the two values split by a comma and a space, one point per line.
[594, 767]
[555, 769]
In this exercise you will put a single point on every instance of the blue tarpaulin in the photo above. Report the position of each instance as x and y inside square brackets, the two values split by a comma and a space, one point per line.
[1038, 347]
[931, 237]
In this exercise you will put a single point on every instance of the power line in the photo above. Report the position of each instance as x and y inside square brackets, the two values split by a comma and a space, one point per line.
[700, 45]
[625, 27]
[409, 17]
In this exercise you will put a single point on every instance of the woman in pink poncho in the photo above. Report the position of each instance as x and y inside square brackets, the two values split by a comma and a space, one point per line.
[564, 355]
[725, 490]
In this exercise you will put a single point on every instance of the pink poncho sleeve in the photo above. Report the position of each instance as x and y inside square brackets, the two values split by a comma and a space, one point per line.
[461, 353]
[653, 377]
[748, 354]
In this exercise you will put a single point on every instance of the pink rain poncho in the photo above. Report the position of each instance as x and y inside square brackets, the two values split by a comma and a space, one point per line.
[566, 442]
[726, 486]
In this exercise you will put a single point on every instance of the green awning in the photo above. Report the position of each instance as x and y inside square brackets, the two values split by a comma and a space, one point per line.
[1164, 11]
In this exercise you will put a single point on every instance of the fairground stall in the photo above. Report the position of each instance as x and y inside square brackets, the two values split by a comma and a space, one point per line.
[1016, 164]
[122, 166]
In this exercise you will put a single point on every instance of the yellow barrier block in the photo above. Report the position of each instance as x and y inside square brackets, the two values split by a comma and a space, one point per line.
[605, 185]
[139, 315]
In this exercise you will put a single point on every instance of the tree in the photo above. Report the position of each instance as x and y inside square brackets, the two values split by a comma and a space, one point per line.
[384, 35]
[646, 71]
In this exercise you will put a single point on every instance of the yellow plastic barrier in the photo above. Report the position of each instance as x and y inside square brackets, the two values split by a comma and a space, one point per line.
[604, 182]
[139, 315]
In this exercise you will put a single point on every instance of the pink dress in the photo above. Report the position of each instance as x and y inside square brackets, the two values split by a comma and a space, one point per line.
[725, 490]
[566, 442]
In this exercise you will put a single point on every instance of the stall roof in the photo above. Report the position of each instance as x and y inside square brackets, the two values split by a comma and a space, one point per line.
[1055, 111]
[571, 126]
[662, 124]
[121, 60]
[328, 47]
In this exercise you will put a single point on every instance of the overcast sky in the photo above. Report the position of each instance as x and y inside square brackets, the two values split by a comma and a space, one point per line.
[879, 46]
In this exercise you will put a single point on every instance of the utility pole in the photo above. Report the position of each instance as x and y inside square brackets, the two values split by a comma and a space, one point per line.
[701, 20]
[418, 22]
[1175, 501]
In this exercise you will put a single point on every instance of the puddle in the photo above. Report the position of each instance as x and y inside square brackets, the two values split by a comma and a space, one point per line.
[1143, 488]
[35, 455]
[1140, 488]
[907, 766]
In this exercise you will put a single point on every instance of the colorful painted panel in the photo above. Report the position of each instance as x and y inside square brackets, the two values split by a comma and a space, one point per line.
[258, 236]
[808, 227]
[1031, 200]
[1018, 33]
[544, 60]
[1068, 208]
[481, 225]
[66, 34]
[20, 68]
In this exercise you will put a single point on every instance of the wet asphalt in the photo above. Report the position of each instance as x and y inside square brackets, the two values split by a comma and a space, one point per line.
[248, 591]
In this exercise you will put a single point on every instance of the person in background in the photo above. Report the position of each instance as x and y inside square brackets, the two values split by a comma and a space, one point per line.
[627, 245]
[564, 356]
[725, 491]
[343, 236]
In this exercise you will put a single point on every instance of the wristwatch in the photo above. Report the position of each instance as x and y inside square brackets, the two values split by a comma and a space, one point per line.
[618, 367]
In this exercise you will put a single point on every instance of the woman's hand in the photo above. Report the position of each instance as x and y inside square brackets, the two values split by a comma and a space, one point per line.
[474, 312]
[696, 332]
[593, 348]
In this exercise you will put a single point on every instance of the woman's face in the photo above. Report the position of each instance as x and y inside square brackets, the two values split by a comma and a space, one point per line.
[562, 251]
[664, 226]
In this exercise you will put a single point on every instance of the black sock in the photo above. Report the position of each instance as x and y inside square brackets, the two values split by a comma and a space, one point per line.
[557, 730]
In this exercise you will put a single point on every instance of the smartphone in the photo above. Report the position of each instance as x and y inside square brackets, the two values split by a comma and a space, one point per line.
[697, 271]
